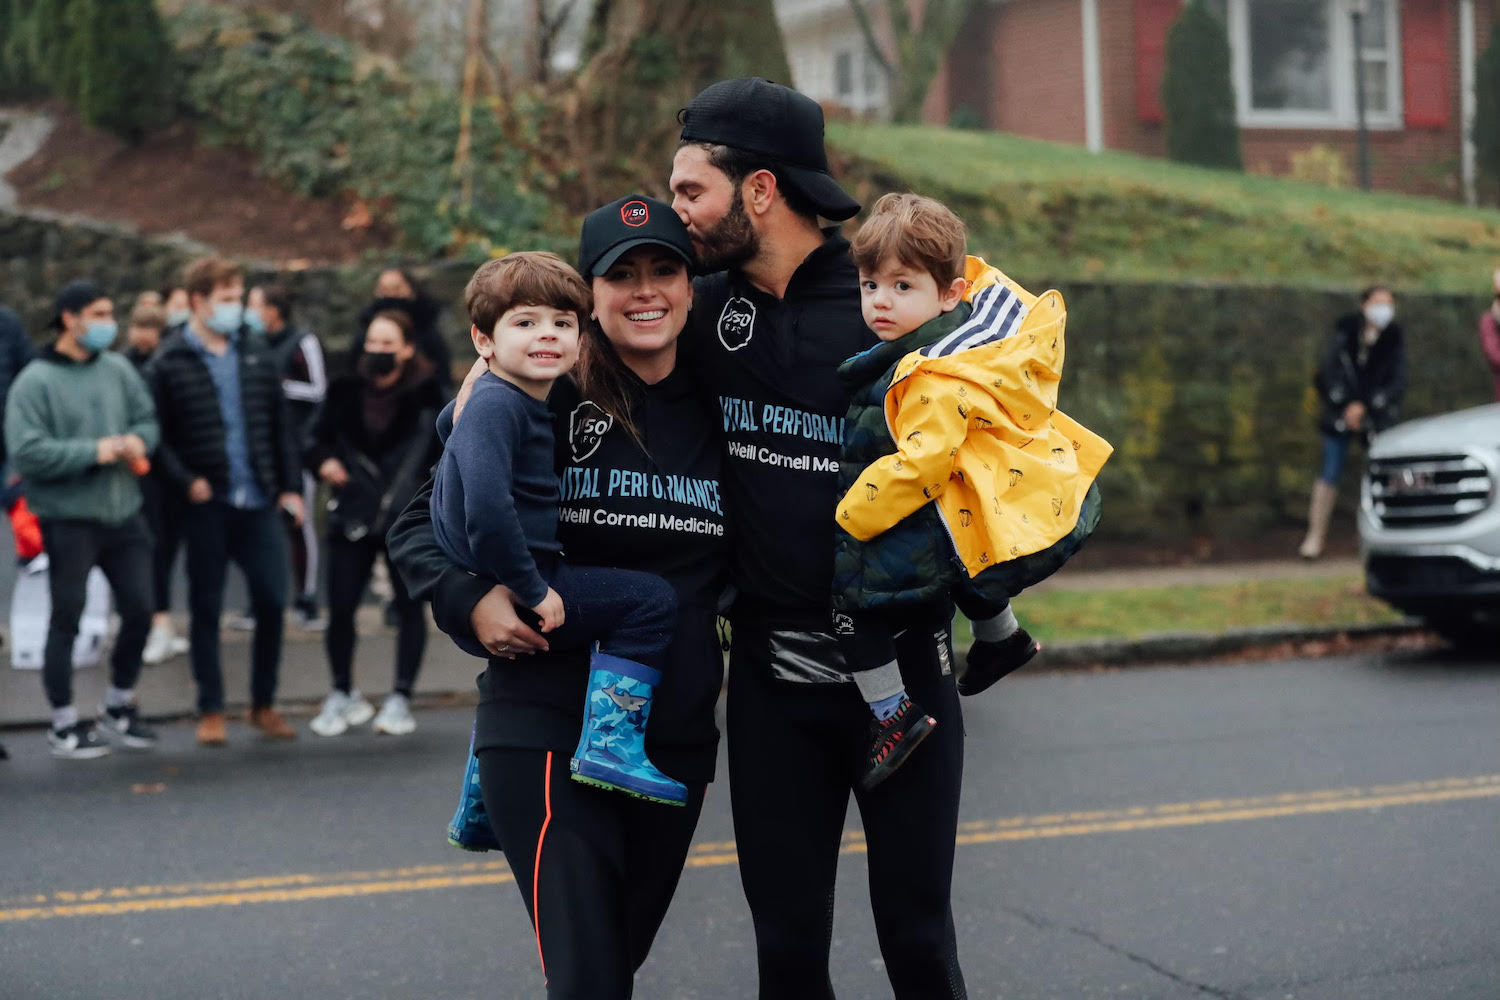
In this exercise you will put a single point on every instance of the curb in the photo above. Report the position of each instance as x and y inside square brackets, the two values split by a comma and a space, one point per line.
[1177, 647]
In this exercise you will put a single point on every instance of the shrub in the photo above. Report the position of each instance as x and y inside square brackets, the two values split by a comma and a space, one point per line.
[325, 124]
[1197, 93]
[110, 58]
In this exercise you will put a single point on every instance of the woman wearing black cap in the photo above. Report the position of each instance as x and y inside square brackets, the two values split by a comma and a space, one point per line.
[639, 460]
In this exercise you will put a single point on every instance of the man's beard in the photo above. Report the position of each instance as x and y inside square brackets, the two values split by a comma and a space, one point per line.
[731, 243]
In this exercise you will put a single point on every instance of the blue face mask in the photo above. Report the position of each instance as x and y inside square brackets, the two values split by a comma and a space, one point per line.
[254, 322]
[177, 317]
[98, 334]
[227, 318]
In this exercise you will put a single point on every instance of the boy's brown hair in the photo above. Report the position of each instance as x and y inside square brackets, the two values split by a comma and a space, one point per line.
[149, 315]
[530, 278]
[917, 231]
[202, 276]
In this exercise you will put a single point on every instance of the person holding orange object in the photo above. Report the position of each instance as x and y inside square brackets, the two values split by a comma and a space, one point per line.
[75, 423]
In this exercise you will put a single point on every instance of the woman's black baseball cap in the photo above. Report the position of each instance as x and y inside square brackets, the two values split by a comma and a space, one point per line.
[621, 226]
[777, 122]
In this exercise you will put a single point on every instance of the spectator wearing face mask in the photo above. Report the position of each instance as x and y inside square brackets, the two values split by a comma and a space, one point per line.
[398, 289]
[142, 337]
[1489, 336]
[229, 452]
[373, 442]
[79, 424]
[1360, 383]
[304, 382]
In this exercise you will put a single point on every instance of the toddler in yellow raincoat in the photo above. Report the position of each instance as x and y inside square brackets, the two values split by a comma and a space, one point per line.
[962, 480]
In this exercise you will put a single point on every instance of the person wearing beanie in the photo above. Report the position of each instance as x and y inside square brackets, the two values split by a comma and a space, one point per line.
[79, 425]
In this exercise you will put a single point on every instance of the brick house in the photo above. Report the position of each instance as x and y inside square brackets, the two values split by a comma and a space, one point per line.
[1089, 72]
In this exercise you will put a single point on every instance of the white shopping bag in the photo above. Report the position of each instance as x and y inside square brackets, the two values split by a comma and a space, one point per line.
[31, 610]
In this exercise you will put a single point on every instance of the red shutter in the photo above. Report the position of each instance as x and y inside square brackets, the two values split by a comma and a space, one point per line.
[1426, 73]
[1153, 18]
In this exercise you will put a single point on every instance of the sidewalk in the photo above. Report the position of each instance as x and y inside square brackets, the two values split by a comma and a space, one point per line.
[167, 690]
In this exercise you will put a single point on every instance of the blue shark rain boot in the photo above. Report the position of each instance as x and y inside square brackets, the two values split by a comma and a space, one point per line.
[470, 826]
[612, 750]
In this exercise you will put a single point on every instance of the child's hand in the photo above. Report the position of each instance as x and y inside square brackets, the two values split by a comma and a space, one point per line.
[550, 611]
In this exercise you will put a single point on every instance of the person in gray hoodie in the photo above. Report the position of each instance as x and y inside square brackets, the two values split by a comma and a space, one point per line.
[79, 425]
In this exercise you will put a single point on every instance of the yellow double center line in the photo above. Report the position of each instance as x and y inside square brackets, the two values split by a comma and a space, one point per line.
[339, 885]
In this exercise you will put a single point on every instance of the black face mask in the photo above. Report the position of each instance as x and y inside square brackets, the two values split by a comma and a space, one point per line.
[379, 365]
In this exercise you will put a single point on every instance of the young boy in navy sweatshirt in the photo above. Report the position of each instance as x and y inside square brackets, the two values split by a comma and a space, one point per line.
[494, 511]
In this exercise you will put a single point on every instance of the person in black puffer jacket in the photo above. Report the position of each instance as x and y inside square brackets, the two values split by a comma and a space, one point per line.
[1361, 382]
[372, 442]
[228, 449]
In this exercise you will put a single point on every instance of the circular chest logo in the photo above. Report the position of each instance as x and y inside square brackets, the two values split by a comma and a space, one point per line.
[635, 213]
[736, 323]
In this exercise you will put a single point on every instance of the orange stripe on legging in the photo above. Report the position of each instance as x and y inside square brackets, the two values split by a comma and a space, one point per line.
[536, 870]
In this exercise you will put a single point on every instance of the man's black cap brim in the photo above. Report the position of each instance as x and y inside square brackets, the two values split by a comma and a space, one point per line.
[608, 259]
[831, 201]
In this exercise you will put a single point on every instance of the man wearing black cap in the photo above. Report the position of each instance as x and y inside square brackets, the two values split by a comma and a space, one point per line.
[750, 180]
[79, 424]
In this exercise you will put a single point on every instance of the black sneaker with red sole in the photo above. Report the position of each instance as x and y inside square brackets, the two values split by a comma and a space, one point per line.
[893, 740]
[987, 662]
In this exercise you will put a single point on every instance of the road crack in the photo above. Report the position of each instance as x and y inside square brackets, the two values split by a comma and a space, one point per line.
[1042, 923]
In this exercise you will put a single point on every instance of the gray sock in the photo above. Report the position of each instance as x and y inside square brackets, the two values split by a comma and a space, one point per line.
[118, 698]
[64, 718]
[998, 628]
[879, 684]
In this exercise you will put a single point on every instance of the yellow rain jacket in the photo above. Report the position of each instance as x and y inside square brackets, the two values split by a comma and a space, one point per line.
[977, 430]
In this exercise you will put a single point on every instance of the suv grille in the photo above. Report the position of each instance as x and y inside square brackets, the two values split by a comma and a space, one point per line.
[1427, 490]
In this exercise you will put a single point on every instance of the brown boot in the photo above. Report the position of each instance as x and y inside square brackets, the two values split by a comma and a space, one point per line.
[1320, 511]
[271, 724]
[211, 730]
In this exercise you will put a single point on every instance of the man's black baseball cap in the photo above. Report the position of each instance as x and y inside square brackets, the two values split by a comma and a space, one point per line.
[777, 122]
[76, 296]
[621, 226]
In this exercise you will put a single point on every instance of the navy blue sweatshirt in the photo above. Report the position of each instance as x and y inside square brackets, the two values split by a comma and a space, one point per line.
[494, 495]
[657, 509]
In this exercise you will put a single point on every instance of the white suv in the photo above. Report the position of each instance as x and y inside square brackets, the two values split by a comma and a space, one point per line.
[1429, 521]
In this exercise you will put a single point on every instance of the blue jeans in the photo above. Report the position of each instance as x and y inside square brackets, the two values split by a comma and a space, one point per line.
[1335, 454]
[215, 533]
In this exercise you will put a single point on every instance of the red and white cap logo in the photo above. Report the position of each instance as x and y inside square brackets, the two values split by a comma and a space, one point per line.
[635, 213]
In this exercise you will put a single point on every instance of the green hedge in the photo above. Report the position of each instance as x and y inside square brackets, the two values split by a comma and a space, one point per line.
[1205, 392]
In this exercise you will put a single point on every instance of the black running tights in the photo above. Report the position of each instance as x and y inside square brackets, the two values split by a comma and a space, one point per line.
[793, 760]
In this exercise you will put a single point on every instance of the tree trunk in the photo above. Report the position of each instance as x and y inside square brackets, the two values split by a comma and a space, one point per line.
[645, 59]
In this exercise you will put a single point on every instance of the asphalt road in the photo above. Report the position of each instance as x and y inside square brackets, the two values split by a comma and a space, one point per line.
[1273, 831]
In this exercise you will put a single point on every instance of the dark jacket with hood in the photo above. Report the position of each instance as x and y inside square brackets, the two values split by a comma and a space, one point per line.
[1351, 371]
[386, 439]
[192, 426]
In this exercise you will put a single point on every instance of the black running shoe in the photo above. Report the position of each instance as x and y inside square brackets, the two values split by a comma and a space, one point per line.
[79, 741]
[987, 662]
[123, 725]
[893, 740]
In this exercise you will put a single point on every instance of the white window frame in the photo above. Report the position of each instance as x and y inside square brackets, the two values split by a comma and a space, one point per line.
[1343, 113]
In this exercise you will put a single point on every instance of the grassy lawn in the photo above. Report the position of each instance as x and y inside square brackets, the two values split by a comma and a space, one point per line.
[1046, 210]
[1063, 615]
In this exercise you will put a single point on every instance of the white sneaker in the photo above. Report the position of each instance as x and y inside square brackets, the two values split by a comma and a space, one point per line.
[161, 644]
[395, 718]
[340, 711]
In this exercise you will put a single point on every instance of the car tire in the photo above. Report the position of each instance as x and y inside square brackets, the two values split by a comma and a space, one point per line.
[1467, 633]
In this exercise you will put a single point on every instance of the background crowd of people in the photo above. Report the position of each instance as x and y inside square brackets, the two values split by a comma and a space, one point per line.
[211, 427]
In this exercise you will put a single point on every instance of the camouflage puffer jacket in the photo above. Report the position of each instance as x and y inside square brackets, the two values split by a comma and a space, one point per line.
[913, 562]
